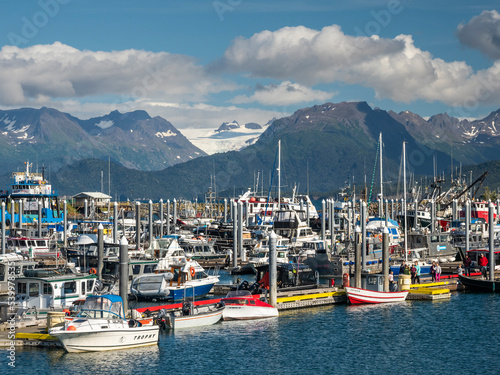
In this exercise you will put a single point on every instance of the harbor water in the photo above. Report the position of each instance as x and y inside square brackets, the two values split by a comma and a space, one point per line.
[455, 336]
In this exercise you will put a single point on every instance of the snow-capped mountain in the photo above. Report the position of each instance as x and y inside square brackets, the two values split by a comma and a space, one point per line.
[134, 139]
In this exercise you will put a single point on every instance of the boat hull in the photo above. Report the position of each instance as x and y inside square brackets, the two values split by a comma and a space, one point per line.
[480, 285]
[359, 296]
[195, 320]
[238, 312]
[92, 341]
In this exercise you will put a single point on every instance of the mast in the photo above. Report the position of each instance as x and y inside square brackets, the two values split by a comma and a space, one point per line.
[381, 180]
[279, 174]
[404, 199]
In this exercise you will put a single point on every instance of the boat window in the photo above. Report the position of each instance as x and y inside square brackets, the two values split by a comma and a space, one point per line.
[17, 270]
[40, 243]
[136, 269]
[69, 287]
[434, 238]
[83, 291]
[21, 288]
[2, 272]
[47, 288]
[34, 289]
[252, 302]
[90, 285]
[149, 268]
[372, 280]
[444, 238]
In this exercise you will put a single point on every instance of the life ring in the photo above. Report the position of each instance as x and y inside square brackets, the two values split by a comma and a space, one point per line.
[93, 271]
[192, 272]
[380, 237]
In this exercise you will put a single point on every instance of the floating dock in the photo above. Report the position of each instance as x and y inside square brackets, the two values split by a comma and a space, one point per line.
[310, 298]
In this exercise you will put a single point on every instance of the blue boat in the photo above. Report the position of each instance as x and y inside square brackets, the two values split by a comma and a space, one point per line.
[34, 190]
[176, 283]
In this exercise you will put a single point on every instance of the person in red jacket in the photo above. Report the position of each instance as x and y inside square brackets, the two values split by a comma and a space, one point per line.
[483, 263]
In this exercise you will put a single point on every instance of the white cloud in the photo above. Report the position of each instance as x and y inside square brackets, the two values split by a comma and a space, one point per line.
[393, 68]
[285, 93]
[39, 73]
[483, 33]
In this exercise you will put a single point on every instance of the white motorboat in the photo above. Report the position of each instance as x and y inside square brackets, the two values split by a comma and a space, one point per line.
[242, 305]
[191, 315]
[101, 325]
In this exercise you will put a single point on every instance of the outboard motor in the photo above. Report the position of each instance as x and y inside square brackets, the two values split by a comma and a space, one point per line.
[186, 308]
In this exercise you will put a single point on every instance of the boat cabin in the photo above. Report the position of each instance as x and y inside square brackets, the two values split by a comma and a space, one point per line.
[39, 294]
[475, 253]
[289, 275]
[13, 262]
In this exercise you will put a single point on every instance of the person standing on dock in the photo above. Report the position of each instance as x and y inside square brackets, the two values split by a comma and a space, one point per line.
[438, 272]
[413, 272]
[417, 273]
[433, 271]
[483, 263]
[460, 270]
[402, 268]
[392, 284]
[467, 263]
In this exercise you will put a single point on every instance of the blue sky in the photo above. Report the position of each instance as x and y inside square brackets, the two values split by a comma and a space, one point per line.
[199, 63]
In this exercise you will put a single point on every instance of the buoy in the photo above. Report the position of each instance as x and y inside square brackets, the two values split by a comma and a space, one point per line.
[192, 271]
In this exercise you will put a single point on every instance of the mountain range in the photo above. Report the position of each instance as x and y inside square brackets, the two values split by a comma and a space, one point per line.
[134, 140]
[322, 147]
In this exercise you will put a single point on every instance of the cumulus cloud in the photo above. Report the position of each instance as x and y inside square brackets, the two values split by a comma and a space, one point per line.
[40, 73]
[285, 93]
[483, 33]
[393, 68]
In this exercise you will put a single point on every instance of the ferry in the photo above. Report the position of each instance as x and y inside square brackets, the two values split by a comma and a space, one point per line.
[33, 190]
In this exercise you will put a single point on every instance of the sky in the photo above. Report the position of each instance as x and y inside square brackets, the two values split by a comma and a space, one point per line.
[199, 63]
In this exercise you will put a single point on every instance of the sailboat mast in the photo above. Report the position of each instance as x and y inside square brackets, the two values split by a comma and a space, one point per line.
[381, 180]
[279, 173]
[404, 198]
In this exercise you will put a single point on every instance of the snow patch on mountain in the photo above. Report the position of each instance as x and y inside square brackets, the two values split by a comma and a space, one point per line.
[105, 124]
[228, 137]
[166, 134]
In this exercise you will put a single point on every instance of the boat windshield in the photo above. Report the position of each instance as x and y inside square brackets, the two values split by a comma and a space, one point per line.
[239, 293]
[101, 307]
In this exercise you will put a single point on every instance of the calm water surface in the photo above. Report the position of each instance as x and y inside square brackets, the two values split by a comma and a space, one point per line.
[449, 337]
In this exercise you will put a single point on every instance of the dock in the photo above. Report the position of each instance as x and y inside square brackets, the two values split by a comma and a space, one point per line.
[30, 336]
[310, 298]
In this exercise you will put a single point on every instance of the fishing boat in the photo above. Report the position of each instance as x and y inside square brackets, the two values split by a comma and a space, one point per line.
[480, 285]
[15, 262]
[180, 281]
[242, 305]
[42, 290]
[191, 315]
[37, 196]
[101, 325]
[26, 243]
[359, 296]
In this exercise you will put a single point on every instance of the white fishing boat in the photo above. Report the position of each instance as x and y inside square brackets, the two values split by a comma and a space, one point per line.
[191, 315]
[101, 325]
[359, 296]
[242, 305]
[44, 290]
